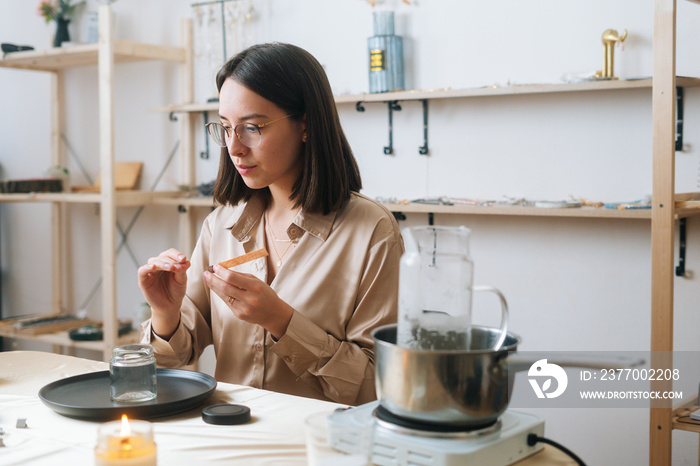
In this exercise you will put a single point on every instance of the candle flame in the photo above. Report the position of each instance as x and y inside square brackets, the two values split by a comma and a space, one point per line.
[126, 430]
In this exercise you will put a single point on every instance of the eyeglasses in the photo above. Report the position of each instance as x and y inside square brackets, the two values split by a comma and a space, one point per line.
[247, 133]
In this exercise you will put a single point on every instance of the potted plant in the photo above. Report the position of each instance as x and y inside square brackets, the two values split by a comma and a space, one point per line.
[61, 12]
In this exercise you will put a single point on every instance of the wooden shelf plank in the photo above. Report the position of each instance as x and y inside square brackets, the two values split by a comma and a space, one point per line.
[188, 108]
[86, 54]
[126, 51]
[197, 201]
[600, 85]
[51, 197]
[136, 198]
[177, 198]
[123, 198]
[431, 94]
[63, 339]
[581, 212]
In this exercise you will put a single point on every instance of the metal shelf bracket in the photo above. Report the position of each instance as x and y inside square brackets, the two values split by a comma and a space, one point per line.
[423, 150]
[392, 106]
[205, 154]
[679, 118]
[680, 268]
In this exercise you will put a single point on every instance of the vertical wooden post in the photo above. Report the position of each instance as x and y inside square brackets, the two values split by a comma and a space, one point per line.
[108, 211]
[57, 208]
[57, 230]
[662, 218]
[187, 157]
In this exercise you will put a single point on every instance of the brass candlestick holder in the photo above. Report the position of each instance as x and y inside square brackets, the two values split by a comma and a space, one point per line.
[610, 38]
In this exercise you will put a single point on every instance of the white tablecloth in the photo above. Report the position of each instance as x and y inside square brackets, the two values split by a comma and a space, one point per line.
[274, 436]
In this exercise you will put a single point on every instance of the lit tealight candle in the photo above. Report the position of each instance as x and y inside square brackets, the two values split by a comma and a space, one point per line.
[124, 443]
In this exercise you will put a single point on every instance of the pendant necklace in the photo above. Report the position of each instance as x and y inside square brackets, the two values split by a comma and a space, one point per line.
[272, 233]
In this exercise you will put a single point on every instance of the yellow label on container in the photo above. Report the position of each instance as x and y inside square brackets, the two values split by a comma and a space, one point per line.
[376, 60]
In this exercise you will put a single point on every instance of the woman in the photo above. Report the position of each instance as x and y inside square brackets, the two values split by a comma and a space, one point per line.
[299, 320]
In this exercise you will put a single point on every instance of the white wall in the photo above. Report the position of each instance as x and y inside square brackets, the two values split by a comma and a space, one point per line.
[572, 284]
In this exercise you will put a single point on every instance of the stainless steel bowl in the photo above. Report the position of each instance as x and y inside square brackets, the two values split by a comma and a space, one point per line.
[448, 387]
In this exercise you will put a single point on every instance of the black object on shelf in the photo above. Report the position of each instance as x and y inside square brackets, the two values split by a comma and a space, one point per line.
[32, 185]
[93, 332]
[9, 48]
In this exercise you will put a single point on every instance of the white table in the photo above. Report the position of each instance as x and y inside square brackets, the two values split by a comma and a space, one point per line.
[275, 435]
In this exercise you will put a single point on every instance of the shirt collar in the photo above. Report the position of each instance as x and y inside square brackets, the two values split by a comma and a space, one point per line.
[315, 224]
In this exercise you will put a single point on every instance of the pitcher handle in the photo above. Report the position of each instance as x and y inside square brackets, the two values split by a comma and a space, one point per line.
[504, 313]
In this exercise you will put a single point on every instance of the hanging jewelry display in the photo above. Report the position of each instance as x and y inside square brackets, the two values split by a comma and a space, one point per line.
[231, 19]
[248, 20]
[222, 31]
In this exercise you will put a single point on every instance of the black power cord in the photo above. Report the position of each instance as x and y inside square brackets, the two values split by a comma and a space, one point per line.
[532, 439]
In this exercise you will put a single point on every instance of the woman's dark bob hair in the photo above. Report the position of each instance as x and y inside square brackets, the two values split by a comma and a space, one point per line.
[291, 78]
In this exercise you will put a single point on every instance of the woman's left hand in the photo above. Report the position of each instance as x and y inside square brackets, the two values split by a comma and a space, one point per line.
[250, 299]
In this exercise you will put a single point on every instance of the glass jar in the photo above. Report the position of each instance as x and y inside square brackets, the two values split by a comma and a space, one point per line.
[132, 373]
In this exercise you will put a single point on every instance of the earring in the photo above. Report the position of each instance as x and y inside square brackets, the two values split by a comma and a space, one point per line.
[303, 137]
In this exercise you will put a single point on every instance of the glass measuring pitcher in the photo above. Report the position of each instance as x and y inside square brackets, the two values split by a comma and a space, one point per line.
[435, 290]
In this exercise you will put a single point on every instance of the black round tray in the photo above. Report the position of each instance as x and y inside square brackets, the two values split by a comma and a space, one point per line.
[87, 396]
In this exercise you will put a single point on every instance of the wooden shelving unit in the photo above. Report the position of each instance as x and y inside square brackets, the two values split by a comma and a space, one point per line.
[105, 55]
[666, 206]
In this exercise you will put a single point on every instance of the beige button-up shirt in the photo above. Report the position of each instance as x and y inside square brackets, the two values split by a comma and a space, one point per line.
[341, 279]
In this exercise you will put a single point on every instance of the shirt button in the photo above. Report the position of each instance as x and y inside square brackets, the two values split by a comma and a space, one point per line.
[258, 347]
[293, 230]
[288, 358]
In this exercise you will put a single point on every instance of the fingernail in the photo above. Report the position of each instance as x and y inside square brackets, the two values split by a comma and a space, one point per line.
[207, 275]
[181, 257]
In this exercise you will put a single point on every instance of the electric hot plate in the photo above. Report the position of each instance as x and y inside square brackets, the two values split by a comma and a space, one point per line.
[87, 396]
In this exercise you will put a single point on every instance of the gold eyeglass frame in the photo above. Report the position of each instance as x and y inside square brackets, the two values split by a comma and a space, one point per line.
[228, 131]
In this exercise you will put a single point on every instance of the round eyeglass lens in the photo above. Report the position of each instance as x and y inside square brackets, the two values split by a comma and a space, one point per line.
[218, 133]
[248, 134]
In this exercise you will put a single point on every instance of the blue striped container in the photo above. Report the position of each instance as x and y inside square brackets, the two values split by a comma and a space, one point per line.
[385, 55]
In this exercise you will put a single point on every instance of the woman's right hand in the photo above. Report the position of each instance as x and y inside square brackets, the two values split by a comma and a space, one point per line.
[163, 282]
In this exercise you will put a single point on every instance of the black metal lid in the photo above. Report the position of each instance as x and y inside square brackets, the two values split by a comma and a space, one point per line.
[226, 414]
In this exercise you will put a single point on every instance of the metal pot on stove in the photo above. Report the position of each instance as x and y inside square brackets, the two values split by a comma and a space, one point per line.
[459, 388]
[463, 388]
